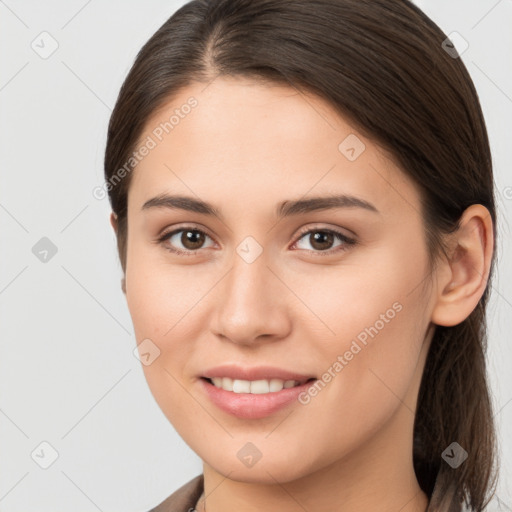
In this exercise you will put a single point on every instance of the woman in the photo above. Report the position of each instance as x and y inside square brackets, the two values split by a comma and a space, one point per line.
[303, 200]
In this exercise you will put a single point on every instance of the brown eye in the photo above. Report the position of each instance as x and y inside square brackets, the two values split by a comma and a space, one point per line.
[321, 241]
[191, 239]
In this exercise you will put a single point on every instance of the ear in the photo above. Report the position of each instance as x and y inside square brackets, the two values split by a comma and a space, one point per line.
[462, 279]
[113, 221]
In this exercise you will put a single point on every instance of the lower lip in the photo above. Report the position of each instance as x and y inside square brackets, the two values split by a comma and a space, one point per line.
[253, 406]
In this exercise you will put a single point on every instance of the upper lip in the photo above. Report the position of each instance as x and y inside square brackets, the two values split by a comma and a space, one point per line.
[255, 373]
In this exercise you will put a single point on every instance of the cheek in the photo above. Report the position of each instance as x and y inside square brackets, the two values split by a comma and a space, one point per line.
[367, 328]
[167, 304]
[161, 306]
[159, 294]
[374, 290]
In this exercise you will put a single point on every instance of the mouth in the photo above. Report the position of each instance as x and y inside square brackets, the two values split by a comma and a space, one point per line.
[255, 387]
[254, 399]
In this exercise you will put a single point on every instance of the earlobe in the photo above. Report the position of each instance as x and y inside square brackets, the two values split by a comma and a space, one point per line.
[113, 221]
[467, 271]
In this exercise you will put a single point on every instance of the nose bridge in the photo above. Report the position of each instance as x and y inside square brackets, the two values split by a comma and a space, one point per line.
[248, 304]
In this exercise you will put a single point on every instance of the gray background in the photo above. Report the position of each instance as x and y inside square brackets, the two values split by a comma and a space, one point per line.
[68, 375]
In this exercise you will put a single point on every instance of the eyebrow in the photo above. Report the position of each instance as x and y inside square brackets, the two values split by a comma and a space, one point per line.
[284, 209]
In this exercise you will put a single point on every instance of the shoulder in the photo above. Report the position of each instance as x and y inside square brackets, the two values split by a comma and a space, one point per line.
[183, 499]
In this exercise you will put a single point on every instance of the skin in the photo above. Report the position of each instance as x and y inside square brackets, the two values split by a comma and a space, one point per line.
[246, 147]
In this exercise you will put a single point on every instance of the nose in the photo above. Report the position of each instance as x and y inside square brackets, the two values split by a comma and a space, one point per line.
[251, 303]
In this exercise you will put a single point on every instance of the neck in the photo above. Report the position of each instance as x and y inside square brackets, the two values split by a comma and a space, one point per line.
[377, 476]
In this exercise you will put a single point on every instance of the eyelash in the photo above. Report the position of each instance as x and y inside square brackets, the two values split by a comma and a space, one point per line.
[347, 242]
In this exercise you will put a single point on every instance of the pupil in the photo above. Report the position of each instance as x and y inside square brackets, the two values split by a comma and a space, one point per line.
[189, 238]
[319, 236]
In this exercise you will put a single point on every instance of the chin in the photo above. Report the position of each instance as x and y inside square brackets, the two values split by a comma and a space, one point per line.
[269, 469]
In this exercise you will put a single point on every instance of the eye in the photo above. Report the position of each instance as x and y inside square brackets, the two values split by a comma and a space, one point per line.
[322, 239]
[190, 237]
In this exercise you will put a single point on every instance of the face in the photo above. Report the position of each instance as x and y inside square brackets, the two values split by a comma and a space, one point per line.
[333, 293]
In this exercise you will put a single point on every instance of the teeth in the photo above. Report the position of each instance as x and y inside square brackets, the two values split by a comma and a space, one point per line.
[253, 386]
[226, 383]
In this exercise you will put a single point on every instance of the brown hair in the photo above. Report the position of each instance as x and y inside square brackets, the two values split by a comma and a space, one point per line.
[381, 65]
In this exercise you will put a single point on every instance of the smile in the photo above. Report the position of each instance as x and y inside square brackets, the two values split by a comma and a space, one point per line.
[256, 387]
[253, 399]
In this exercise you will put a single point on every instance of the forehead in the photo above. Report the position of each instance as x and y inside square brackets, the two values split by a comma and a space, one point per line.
[255, 144]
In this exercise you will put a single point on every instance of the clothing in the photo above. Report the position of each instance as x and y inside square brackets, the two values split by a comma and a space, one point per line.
[183, 499]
